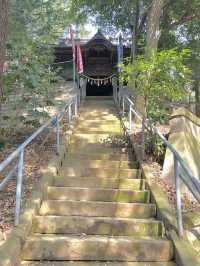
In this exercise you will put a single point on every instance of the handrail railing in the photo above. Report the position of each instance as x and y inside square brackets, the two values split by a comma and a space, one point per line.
[185, 175]
[71, 109]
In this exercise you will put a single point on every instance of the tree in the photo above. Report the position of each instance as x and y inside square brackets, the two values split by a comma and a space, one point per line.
[153, 26]
[33, 28]
[111, 16]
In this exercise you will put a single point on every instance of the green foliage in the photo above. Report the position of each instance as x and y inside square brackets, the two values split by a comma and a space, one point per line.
[155, 147]
[111, 16]
[33, 26]
[158, 79]
[33, 29]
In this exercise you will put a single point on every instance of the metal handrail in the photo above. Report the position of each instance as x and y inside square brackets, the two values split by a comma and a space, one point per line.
[191, 182]
[71, 108]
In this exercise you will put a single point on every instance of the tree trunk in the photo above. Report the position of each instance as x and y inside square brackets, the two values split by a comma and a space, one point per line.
[3, 33]
[153, 27]
[134, 32]
[197, 97]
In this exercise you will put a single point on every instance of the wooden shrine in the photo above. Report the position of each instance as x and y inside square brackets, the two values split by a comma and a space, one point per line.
[99, 57]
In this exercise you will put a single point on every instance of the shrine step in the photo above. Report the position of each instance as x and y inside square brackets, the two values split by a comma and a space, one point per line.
[96, 194]
[96, 208]
[96, 248]
[104, 172]
[95, 263]
[99, 182]
[97, 226]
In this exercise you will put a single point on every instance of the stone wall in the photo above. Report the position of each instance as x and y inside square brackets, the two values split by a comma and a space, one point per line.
[185, 137]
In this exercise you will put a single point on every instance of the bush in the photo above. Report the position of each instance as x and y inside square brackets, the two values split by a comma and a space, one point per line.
[160, 78]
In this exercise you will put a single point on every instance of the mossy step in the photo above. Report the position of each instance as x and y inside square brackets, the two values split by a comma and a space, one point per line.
[89, 147]
[88, 194]
[104, 172]
[98, 209]
[91, 137]
[97, 130]
[88, 248]
[98, 108]
[104, 157]
[99, 163]
[99, 118]
[95, 263]
[89, 119]
[104, 114]
[96, 226]
[93, 142]
[98, 123]
[82, 122]
[99, 182]
[99, 98]
[99, 148]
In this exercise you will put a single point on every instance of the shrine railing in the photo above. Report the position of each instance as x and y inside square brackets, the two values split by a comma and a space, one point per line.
[181, 171]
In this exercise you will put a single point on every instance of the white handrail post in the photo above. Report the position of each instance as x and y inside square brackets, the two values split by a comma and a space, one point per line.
[130, 117]
[143, 138]
[57, 134]
[79, 98]
[70, 113]
[119, 97]
[75, 106]
[114, 93]
[123, 105]
[178, 197]
[19, 186]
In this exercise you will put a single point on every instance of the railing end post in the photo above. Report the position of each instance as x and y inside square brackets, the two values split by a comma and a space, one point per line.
[178, 197]
[19, 187]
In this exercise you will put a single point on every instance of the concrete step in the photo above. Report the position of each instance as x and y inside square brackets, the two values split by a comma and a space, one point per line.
[99, 124]
[100, 114]
[98, 130]
[106, 110]
[98, 209]
[99, 163]
[102, 119]
[98, 99]
[97, 142]
[99, 182]
[104, 156]
[95, 263]
[103, 149]
[93, 138]
[89, 147]
[88, 194]
[83, 170]
[109, 131]
[89, 248]
[96, 226]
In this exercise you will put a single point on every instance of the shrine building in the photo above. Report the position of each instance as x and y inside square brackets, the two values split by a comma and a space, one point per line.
[99, 62]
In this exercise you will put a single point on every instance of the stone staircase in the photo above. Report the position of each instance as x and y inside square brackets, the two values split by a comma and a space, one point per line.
[98, 210]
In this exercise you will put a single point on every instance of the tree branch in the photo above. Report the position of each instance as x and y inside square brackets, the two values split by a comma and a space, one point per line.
[183, 20]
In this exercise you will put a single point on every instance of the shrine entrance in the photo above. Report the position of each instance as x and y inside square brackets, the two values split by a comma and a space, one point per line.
[101, 90]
